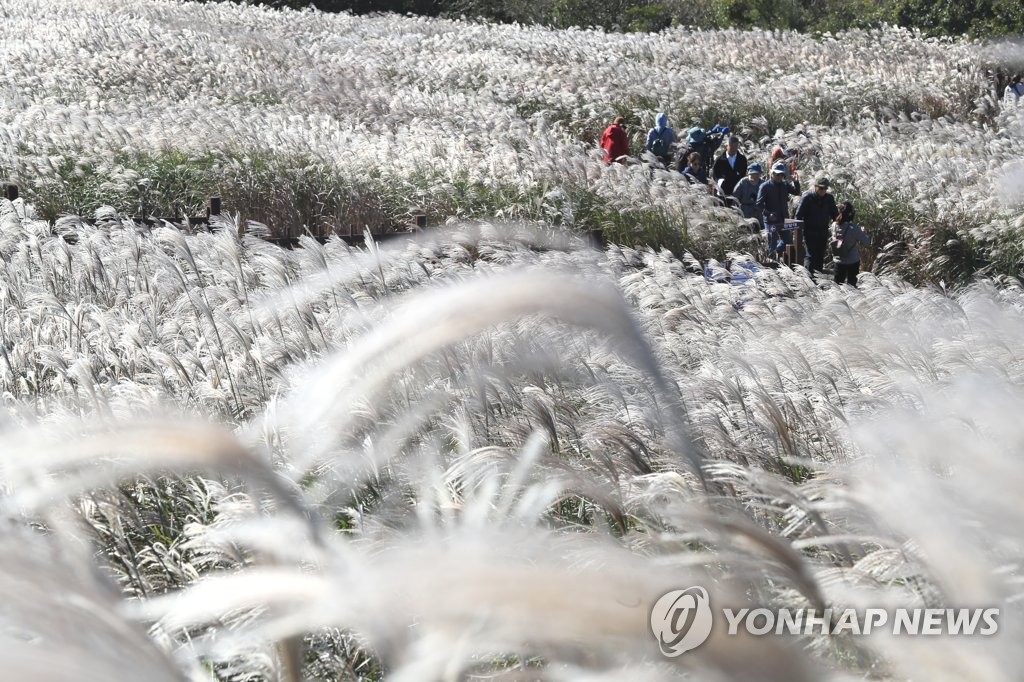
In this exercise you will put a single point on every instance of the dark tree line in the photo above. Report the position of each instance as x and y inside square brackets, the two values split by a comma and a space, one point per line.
[934, 17]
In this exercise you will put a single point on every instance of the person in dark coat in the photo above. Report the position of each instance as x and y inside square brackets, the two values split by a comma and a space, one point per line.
[817, 209]
[730, 167]
[614, 141]
[773, 202]
[695, 170]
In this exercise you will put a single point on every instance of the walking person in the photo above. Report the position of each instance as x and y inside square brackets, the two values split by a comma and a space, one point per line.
[786, 156]
[817, 209]
[773, 203]
[730, 167]
[847, 237]
[745, 194]
[660, 140]
[695, 170]
[703, 142]
[1015, 89]
[614, 141]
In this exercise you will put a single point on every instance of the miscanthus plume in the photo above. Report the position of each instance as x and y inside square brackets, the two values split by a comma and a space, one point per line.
[471, 455]
[487, 451]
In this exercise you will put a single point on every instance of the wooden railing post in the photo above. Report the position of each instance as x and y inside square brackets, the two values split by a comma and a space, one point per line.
[419, 220]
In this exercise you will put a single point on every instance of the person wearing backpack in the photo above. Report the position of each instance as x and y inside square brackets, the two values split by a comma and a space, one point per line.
[614, 141]
[660, 139]
[703, 142]
[847, 237]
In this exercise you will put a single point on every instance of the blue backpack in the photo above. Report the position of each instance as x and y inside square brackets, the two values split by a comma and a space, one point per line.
[660, 147]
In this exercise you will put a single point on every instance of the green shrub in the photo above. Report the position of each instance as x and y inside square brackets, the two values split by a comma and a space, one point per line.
[977, 18]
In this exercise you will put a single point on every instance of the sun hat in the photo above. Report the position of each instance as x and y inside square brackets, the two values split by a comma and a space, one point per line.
[779, 167]
[696, 135]
[754, 168]
[821, 182]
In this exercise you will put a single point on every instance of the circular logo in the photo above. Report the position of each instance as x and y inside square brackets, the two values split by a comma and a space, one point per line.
[681, 620]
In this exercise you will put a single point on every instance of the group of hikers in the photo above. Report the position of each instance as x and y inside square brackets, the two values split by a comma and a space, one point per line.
[764, 202]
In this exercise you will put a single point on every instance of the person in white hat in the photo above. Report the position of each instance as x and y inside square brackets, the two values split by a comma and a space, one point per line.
[773, 203]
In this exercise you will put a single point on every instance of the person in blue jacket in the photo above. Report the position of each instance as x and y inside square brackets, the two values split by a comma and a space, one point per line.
[773, 203]
[695, 170]
[660, 139]
[703, 142]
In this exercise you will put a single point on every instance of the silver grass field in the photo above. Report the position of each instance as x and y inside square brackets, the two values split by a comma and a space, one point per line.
[486, 451]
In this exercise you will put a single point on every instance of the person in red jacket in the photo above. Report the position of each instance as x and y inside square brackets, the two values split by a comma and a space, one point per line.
[614, 141]
[787, 156]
